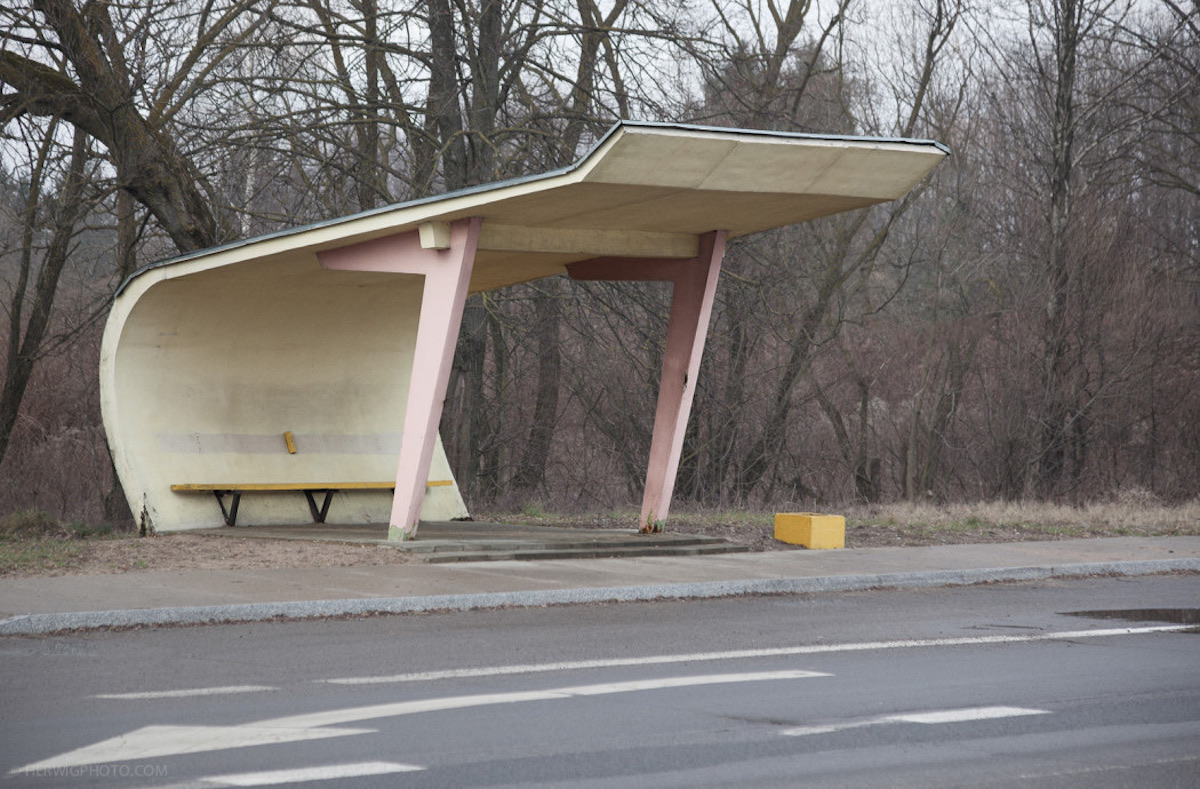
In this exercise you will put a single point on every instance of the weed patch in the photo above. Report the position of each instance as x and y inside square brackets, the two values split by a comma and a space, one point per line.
[31, 525]
[33, 542]
[38, 556]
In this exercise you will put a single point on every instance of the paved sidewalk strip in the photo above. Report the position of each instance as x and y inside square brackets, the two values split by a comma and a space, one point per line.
[1182, 554]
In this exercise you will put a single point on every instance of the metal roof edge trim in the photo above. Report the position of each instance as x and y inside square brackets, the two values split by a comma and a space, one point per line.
[783, 134]
[498, 185]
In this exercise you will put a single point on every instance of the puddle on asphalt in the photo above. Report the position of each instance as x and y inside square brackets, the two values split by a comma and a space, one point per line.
[1175, 616]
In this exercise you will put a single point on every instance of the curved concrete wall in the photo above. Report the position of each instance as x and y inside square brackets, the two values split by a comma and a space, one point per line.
[206, 367]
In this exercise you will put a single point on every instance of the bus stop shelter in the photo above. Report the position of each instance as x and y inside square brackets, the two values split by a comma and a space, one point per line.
[305, 370]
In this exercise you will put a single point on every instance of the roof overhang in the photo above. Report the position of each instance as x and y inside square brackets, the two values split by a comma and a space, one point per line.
[645, 190]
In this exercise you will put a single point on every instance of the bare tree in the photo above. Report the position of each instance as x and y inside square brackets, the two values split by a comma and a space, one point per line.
[75, 67]
[794, 73]
[1024, 323]
[28, 328]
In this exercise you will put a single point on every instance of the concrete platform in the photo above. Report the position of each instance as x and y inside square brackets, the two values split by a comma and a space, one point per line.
[461, 541]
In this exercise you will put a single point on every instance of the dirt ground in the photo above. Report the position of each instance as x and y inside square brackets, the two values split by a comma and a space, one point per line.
[50, 557]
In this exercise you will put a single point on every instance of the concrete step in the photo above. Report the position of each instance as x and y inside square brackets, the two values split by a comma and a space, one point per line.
[440, 542]
[605, 551]
[568, 542]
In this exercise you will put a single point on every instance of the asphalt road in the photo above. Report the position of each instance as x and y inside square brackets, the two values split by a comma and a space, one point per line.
[978, 686]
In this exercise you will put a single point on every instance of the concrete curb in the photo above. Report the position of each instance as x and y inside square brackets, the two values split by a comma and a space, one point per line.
[33, 624]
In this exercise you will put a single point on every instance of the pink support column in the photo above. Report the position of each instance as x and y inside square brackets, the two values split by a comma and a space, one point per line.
[447, 275]
[695, 284]
[691, 307]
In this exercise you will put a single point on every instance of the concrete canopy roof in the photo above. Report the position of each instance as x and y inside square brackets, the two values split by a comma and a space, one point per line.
[645, 190]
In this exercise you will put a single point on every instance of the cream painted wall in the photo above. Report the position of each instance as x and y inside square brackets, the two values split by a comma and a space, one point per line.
[208, 368]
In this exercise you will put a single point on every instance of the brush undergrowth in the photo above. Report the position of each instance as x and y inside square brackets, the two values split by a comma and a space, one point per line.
[33, 540]
[905, 523]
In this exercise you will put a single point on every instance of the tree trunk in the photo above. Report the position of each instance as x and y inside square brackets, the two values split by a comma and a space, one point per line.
[23, 350]
[1055, 417]
[531, 473]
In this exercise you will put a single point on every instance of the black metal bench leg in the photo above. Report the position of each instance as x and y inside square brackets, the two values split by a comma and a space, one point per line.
[230, 515]
[318, 515]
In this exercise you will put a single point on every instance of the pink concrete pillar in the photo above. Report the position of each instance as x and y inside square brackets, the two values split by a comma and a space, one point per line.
[695, 284]
[447, 275]
[691, 307]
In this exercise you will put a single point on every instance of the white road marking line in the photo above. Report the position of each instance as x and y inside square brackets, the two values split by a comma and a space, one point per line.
[970, 714]
[327, 773]
[334, 717]
[152, 742]
[928, 718]
[742, 654]
[687, 682]
[180, 694]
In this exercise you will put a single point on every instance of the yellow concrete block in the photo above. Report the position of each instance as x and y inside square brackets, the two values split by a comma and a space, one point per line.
[810, 529]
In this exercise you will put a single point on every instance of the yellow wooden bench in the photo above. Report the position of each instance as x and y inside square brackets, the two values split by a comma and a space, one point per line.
[308, 489]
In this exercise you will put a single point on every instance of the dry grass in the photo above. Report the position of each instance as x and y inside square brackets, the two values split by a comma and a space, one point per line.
[907, 524]
[1115, 517]
[904, 524]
